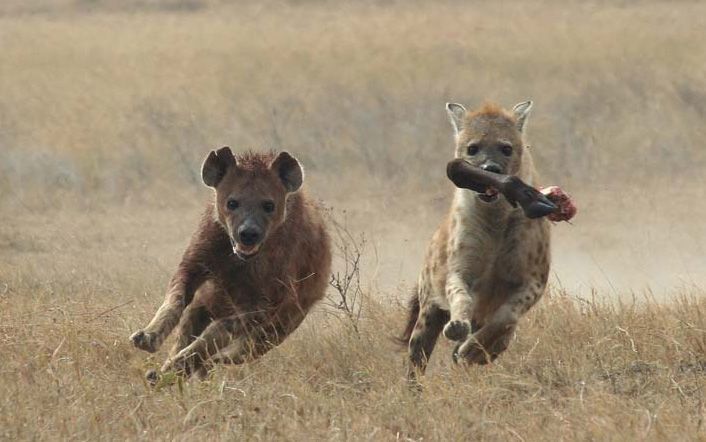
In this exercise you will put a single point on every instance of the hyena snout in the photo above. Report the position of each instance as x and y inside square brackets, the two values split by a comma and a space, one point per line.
[247, 239]
[491, 166]
[491, 194]
[249, 235]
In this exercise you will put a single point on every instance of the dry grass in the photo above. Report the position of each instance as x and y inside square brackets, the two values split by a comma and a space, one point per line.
[107, 107]
[579, 369]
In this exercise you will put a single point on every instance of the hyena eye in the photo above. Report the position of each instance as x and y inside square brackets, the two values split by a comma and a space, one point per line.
[232, 204]
[506, 150]
[268, 206]
[473, 149]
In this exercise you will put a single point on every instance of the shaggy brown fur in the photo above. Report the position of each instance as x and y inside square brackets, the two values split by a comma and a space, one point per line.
[259, 260]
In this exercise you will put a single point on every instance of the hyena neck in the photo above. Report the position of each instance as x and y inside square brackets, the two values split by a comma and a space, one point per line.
[468, 207]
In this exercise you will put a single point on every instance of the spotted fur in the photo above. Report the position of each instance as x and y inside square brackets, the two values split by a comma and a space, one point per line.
[487, 264]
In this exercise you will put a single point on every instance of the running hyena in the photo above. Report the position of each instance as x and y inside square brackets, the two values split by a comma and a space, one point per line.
[487, 263]
[257, 263]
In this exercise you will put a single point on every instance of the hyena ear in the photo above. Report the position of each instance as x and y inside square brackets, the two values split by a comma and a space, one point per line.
[521, 111]
[456, 113]
[288, 170]
[216, 165]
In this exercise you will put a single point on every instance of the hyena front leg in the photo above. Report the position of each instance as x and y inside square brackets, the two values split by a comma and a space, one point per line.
[249, 346]
[494, 337]
[231, 340]
[251, 343]
[194, 321]
[430, 322]
[181, 291]
[217, 335]
[460, 307]
[455, 353]
[241, 346]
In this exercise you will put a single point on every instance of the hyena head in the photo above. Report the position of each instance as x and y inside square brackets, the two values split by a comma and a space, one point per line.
[251, 192]
[490, 138]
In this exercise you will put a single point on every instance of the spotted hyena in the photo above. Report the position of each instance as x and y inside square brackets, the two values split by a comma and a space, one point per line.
[258, 261]
[487, 263]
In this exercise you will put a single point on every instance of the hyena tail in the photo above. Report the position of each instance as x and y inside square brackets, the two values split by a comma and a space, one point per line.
[413, 314]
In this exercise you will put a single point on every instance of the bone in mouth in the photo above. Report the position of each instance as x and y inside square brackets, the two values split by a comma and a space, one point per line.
[551, 202]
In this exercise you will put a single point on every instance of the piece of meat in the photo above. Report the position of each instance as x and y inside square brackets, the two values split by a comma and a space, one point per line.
[554, 203]
[566, 209]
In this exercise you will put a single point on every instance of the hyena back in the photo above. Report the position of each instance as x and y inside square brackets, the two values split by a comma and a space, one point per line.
[487, 263]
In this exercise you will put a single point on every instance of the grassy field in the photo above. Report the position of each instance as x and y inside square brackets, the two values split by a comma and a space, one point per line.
[107, 109]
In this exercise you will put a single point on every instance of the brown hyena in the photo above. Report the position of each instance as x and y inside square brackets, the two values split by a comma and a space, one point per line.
[257, 263]
[487, 263]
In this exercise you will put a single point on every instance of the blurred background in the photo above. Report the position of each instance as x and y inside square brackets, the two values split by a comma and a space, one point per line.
[108, 107]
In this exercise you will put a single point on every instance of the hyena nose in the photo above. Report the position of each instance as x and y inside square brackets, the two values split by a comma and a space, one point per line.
[249, 236]
[490, 167]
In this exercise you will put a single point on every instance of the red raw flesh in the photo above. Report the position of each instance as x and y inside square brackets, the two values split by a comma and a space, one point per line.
[567, 208]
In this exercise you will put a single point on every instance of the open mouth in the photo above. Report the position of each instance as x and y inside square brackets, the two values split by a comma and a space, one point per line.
[245, 252]
[489, 196]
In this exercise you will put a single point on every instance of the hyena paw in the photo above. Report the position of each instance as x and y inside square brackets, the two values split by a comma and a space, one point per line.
[159, 379]
[152, 377]
[473, 353]
[457, 330]
[145, 341]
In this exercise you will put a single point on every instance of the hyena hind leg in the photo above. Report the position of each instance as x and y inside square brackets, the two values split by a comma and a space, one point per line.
[430, 323]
